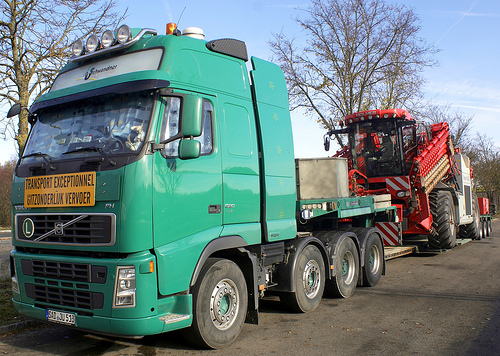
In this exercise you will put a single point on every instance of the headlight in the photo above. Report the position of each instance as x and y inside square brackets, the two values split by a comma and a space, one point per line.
[92, 43]
[402, 194]
[77, 48]
[125, 287]
[107, 38]
[123, 34]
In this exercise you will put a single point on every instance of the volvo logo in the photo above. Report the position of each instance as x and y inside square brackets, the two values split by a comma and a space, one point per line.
[59, 228]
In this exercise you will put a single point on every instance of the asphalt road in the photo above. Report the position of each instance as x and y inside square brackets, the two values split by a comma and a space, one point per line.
[431, 304]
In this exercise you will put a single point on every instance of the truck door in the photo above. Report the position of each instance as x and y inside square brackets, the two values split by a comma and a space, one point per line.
[187, 197]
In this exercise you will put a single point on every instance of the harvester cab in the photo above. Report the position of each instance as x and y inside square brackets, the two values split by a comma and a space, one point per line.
[382, 142]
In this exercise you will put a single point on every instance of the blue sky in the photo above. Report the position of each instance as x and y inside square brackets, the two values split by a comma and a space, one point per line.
[466, 31]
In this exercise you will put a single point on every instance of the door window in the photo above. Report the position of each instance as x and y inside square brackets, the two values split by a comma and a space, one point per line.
[171, 124]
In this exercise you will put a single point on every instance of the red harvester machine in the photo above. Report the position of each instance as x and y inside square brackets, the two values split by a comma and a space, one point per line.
[429, 180]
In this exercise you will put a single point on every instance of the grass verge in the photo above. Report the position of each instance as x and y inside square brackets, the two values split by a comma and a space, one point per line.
[8, 315]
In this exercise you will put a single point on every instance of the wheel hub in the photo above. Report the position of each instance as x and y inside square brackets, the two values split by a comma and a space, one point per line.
[348, 267]
[224, 304]
[374, 259]
[311, 279]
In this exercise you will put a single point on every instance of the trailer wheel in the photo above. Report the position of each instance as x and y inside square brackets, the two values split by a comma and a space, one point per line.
[472, 230]
[373, 261]
[344, 282]
[220, 301]
[488, 227]
[443, 220]
[309, 275]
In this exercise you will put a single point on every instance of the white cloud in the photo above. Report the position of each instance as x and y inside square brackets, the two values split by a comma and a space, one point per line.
[478, 14]
[464, 89]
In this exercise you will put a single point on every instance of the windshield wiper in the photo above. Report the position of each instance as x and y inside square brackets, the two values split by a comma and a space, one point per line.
[45, 157]
[92, 149]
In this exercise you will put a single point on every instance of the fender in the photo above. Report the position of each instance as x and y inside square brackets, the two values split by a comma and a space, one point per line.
[283, 275]
[218, 244]
[248, 265]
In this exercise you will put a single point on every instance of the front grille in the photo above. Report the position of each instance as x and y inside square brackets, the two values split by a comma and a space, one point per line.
[58, 270]
[65, 298]
[77, 229]
[68, 271]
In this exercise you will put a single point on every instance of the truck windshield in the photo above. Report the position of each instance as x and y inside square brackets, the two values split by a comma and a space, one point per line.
[375, 148]
[109, 125]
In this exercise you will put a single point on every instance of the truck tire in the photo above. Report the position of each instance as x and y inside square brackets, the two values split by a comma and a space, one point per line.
[472, 230]
[346, 271]
[488, 227]
[443, 220]
[220, 300]
[309, 275]
[373, 261]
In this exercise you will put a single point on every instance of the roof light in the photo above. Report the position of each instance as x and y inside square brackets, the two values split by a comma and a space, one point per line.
[107, 38]
[77, 48]
[194, 32]
[92, 43]
[171, 27]
[123, 34]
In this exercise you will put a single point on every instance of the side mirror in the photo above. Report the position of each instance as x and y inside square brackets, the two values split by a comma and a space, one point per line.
[14, 110]
[32, 119]
[189, 149]
[192, 116]
[327, 143]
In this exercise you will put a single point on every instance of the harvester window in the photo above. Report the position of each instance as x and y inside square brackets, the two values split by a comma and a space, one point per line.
[409, 147]
[375, 151]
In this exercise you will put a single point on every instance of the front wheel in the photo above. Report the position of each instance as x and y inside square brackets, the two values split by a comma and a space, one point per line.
[309, 275]
[220, 303]
[344, 282]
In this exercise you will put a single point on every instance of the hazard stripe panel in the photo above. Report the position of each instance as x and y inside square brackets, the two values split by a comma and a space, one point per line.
[391, 233]
[395, 184]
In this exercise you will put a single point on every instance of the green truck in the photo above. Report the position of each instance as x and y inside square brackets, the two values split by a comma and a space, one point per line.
[158, 190]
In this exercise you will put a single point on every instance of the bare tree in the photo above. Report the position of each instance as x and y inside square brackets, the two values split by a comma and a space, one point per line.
[358, 55]
[485, 160]
[6, 174]
[35, 37]
[459, 122]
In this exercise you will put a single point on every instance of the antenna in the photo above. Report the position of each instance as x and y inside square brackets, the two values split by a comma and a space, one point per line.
[182, 13]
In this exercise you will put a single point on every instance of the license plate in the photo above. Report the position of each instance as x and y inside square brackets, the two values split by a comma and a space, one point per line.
[60, 317]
